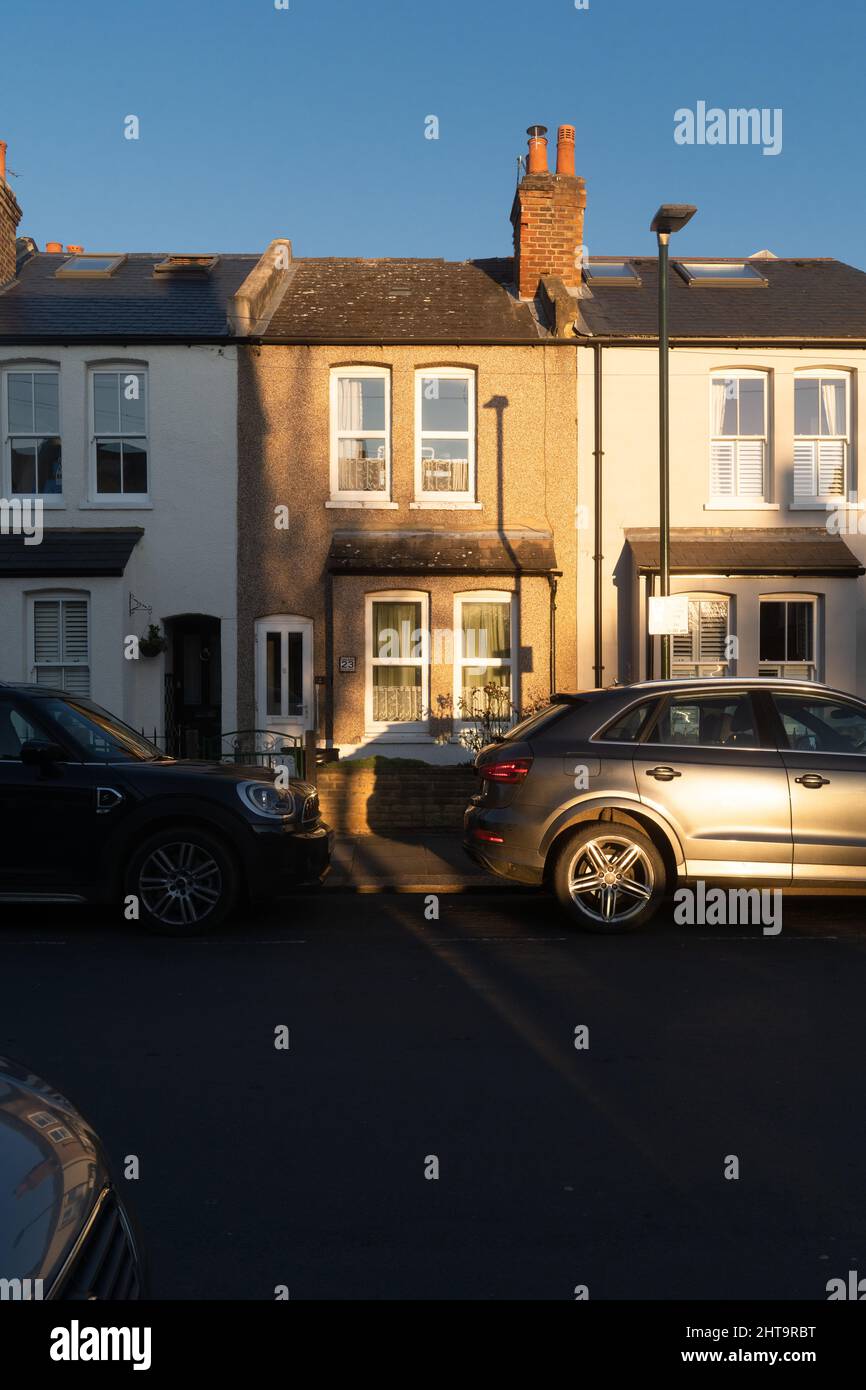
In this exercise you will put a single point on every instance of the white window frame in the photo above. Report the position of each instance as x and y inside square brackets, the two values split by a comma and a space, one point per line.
[821, 499]
[503, 596]
[28, 368]
[356, 497]
[792, 670]
[737, 499]
[400, 730]
[423, 374]
[60, 596]
[698, 668]
[117, 499]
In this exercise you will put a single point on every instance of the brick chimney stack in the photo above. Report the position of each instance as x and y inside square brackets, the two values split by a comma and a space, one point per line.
[548, 214]
[10, 216]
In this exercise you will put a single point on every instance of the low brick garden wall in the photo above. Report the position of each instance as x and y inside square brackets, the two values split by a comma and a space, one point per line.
[381, 796]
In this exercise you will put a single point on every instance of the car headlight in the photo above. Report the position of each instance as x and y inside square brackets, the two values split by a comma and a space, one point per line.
[266, 799]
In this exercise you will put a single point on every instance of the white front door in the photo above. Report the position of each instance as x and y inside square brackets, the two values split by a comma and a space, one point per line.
[284, 675]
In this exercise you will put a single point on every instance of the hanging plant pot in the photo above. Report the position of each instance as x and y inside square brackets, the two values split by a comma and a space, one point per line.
[153, 643]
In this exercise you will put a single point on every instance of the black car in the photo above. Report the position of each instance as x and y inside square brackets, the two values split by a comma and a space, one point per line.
[91, 811]
[64, 1231]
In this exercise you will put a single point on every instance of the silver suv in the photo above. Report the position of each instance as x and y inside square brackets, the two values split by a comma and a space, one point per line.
[614, 796]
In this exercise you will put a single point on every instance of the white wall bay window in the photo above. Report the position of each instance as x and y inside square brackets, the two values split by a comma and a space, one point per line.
[60, 643]
[738, 437]
[821, 429]
[484, 656]
[398, 661]
[703, 651]
[360, 434]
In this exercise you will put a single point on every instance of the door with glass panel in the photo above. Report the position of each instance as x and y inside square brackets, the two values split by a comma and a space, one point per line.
[284, 675]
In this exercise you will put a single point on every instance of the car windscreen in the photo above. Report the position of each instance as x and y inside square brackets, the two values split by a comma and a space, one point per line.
[97, 734]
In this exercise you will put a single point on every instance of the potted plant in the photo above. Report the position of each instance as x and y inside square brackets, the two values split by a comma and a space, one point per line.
[153, 643]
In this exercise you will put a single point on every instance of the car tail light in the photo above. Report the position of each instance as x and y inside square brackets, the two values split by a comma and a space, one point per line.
[487, 836]
[504, 769]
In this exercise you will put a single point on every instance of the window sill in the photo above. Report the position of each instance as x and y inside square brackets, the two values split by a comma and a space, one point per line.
[50, 504]
[737, 504]
[125, 504]
[386, 733]
[823, 504]
[452, 505]
[339, 503]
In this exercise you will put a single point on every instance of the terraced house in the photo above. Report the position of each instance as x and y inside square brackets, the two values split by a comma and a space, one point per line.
[407, 483]
[355, 497]
[118, 391]
[768, 482]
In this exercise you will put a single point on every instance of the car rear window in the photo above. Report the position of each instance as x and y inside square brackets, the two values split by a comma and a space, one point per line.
[628, 727]
[542, 719]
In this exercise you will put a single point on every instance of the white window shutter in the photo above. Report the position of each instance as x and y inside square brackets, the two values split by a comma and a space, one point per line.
[831, 468]
[76, 680]
[750, 470]
[75, 636]
[46, 630]
[61, 644]
[713, 630]
[805, 470]
[685, 644]
[722, 469]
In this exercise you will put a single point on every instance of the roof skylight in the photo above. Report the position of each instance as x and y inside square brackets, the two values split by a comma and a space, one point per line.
[734, 274]
[610, 273]
[84, 267]
[185, 265]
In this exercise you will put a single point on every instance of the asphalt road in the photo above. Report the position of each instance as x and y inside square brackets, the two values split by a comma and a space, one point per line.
[411, 1038]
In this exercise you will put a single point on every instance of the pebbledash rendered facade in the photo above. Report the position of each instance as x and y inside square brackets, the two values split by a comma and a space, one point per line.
[407, 485]
[371, 486]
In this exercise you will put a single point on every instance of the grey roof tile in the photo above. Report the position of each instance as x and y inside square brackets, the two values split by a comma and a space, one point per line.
[804, 299]
[132, 303]
[68, 554]
[338, 300]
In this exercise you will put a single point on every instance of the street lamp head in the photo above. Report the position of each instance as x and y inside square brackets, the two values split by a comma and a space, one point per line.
[671, 217]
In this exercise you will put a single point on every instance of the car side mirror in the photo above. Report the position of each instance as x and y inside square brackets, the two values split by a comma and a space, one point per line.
[35, 754]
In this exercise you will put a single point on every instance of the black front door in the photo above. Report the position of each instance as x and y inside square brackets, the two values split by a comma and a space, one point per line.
[196, 687]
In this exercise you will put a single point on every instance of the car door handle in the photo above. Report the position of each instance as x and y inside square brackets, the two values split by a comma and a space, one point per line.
[107, 799]
[813, 779]
[663, 774]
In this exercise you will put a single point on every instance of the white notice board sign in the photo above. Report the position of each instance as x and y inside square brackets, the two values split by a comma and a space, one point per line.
[669, 616]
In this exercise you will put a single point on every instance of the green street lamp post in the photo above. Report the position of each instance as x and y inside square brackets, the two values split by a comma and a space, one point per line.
[669, 219]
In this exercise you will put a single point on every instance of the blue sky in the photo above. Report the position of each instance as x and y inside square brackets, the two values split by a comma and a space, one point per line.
[309, 123]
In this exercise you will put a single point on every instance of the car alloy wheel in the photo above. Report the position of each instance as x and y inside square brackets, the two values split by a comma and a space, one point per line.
[180, 884]
[611, 879]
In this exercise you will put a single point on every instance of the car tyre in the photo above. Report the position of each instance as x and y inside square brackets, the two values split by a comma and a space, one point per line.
[185, 879]
[625, 878]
